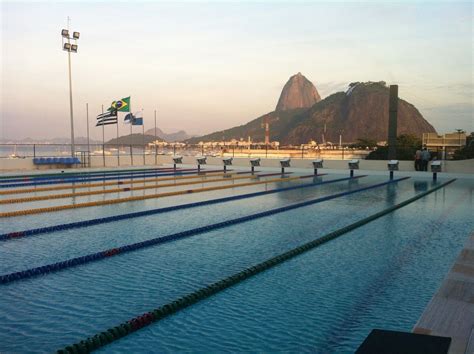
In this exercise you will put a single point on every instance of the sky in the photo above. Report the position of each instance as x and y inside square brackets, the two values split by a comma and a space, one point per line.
[207, 66]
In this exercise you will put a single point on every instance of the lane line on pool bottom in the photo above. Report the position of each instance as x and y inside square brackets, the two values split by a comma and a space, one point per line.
[93, 257]
[115, 333]
[108, 219]
[226, 178]
[142, 197]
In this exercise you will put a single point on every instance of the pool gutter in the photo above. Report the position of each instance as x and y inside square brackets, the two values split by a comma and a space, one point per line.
[450, 313]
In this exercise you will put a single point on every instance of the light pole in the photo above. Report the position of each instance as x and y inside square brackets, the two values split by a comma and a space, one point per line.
[460, 131]
[340, 142]
[68, 47]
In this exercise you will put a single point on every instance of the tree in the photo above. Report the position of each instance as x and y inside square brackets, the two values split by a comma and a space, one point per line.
[363, 143]
[407, 145]
[467, 152]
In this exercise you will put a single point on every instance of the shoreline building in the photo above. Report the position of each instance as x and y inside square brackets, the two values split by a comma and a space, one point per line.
[446, 144]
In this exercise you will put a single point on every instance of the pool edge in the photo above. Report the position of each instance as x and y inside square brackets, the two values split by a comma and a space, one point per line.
[450, 312]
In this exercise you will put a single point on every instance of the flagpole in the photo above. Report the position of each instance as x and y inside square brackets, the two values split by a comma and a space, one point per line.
[118, 147]
[143, 137]
[155, 141]
[103, 139]
[131, 130]
[88, 141]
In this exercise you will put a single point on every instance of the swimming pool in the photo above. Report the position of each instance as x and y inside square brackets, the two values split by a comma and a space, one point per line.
[380, 275]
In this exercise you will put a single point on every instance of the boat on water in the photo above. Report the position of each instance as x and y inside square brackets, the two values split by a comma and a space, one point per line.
[14, 155]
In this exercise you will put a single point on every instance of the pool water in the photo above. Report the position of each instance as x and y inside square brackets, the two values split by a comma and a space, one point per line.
[327, 300]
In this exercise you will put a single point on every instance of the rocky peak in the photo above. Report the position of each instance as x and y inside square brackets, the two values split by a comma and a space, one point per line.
[298, 92]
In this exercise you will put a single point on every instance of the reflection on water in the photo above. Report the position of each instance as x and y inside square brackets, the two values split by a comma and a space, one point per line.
[420, 186]
[353, 182]
[391, 194]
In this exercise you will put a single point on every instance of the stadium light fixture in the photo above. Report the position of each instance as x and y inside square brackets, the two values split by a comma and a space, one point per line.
[70, 47]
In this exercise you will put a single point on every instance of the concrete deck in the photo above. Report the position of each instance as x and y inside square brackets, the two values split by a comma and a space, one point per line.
[450, 312]
[450, 168]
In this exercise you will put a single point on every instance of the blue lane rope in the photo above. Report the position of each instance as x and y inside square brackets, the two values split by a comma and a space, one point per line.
[93, 179]
[25, 274]
[87, 177]
[32, 178]
[113, 171]
[91, 222]
[115, 333]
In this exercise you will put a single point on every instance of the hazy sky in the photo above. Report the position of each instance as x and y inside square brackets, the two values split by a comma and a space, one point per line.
[207, 66]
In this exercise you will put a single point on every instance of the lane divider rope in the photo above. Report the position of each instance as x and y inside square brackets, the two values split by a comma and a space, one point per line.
[115, 333]
[117, 190]
[114, 183]
[137, 198]
[34, 175]
[61, 179]
[73, 262]
[107, 178]
[108, 219]
[19, 178]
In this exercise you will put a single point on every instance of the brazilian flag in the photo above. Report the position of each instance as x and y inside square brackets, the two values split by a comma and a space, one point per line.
[122, 105]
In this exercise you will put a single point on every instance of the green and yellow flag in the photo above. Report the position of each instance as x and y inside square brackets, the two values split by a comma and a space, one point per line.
[122, 105]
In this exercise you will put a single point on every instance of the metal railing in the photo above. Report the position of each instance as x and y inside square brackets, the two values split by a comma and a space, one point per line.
[138, 152]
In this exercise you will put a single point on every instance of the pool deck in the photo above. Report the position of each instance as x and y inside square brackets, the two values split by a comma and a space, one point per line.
[450, 312]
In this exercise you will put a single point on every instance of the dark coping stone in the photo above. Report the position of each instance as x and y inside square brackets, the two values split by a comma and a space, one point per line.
[381, 341]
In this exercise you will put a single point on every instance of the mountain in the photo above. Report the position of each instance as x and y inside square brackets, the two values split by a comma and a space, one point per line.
[172, 137]
[132, 139]
[360, 112]
[298, 92]
[280, 123]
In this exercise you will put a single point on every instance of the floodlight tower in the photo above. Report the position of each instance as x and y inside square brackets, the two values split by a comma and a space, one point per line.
[70, 47]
